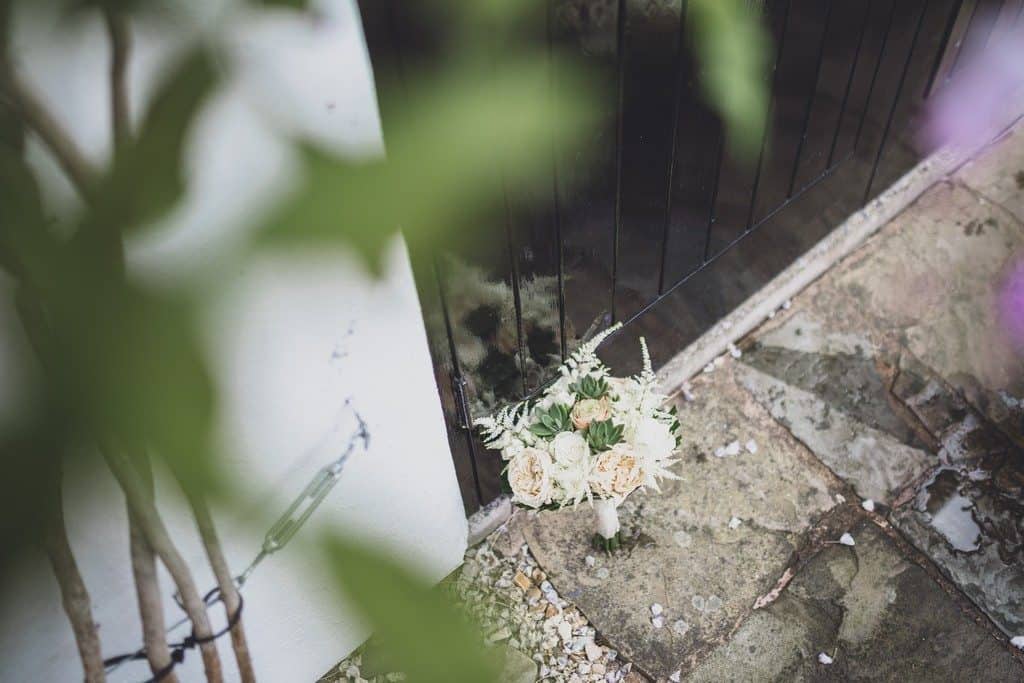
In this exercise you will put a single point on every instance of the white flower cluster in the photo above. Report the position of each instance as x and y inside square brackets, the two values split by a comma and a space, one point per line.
[590, 436]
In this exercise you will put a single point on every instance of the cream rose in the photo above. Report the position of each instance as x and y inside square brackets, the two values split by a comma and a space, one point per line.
[617, 473]
[572, 465]
[590, 410]
[529, 476]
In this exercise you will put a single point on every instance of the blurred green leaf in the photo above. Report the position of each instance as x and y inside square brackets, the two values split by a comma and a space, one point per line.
[733, 48]
[456, 139]
[147, 178]
[423, 634]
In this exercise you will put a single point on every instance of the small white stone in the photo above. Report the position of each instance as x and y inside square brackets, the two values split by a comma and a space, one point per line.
[720, 452]
[564, 631]
[771, 315]
[710, 367]
[675, 677]
[733, 448]
[594, 651]
[868, 505]
[824, 658]
[1017, 642]
[734, 352]
[688, 395]
[680, 627]
[602, 573]
[589, 560]
[658, 622]
[751, 447]
[840, 498]
[847, 539]
[735, 522]
[786, 304]
[656, 609]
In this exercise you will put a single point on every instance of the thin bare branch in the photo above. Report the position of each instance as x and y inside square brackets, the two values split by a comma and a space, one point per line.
[226, 584]
[74, 595]
[38, 118]
[147, 589]
[160, 540]
[120, 50]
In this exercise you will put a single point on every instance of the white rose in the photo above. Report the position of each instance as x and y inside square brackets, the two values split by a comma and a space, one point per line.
[617, 473]
[572, 465]
[653, 440]
[590, 410]
[626, 393]
[529, 476]
[514, 448]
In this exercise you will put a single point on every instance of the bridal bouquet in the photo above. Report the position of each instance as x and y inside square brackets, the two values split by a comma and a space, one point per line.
[589, 437]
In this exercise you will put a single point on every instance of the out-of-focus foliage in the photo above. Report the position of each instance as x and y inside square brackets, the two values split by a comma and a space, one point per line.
[442, 167]
[122, 366]
[733, 49]
[417, 629]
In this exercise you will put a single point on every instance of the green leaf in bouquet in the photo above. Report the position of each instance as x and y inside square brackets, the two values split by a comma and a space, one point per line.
[589, 386]
[552, 421]
[603, 434]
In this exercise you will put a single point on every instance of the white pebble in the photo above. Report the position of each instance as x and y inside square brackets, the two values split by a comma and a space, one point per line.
[656, 609]
[847, 539]
[710, 367]
[868, 505]
[675, 677]
[840, 498]
[720, 452]
[1018, 642]
[752, 447]
[735, 522]
[733, 448]
[658, 622]
[771, 315]
[734, 352]
[589, 560]
[786, 304]
[680, 627]
[603, 573]
[824, 658]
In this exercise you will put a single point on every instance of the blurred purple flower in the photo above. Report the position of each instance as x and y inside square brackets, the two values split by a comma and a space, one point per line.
[970, 109]
[1011, 303]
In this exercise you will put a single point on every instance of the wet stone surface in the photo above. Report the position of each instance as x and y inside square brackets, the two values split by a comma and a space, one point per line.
[826, 388]
[875, 615]
[715, 541]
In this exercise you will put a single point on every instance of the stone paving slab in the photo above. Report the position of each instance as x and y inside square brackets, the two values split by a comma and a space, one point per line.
[704, 572]
[826, 388]
[969, 515]
[878, 616]
[998, 172]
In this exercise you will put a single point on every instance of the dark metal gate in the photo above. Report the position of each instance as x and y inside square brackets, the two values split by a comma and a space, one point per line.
[669, 232]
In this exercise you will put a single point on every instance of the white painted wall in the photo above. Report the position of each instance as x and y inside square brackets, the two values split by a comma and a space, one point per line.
[292, 338]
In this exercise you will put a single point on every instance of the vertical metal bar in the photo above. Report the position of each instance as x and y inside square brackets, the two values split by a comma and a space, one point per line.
[810, 100]
[767, 117]
[554, 190]
[714, 194]
[895, 100]
[947, 33]
[513, 259]
[874, 77]
[680, 51]
[963, 42]
[849, 83]
[456, 370]
[620, 57]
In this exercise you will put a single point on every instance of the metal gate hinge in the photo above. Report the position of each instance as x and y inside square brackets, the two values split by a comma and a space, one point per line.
[461, 403]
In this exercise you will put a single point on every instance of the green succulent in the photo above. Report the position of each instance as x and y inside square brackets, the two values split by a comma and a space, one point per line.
[552, 421]
[603, 434]
[589, 386]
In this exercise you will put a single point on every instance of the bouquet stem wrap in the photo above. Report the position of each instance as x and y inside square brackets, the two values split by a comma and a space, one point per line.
[607, 518]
